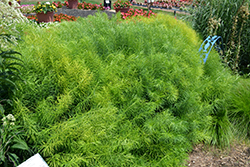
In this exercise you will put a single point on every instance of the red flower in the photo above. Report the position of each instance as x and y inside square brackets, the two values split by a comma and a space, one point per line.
[57, 17]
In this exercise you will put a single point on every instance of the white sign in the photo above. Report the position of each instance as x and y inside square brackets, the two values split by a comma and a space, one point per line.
[34, 161]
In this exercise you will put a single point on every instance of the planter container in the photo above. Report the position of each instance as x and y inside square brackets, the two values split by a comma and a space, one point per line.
[73, 4]
[48, 17]
[124, 10]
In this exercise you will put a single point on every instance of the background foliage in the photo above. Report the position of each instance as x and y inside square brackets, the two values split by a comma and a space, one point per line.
[230, 20]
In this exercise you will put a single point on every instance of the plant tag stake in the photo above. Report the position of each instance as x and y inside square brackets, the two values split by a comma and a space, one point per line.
[208, 44]
[34, 161]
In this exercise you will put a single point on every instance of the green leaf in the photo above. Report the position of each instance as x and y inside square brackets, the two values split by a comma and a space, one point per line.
[1, 109]
[7, 37]
[20, 144]
[6, 80]
[8, 55]
[13, 158]
[15, 63]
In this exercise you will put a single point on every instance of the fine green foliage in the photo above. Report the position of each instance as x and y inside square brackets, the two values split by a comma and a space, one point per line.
[218, 88]
[240, 108]
[107, 92]
[229, 19]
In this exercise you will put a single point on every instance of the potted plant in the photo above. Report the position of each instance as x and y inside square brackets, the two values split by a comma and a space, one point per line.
[73, 4]
[45, 11]
[122, 5]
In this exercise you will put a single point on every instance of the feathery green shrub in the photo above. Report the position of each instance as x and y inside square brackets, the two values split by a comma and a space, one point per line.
[103, 92]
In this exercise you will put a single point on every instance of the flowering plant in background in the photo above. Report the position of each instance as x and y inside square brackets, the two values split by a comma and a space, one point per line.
[107, 8]
[90, 6]
[57, 18]
[87, 6]
[134, 2]
[8, 120]
[44, 7]
[121, 4]
[136, 12]
[63, 17]
[58, 4]
[10, 16]
[27, 8]
[10, 142]
[66, 3]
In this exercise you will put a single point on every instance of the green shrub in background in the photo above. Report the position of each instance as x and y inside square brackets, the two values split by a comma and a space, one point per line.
[230, 20]
[245, 48]
[240, 108]
[103, 92]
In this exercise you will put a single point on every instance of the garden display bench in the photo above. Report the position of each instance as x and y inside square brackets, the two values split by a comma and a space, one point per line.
[177, 10]
[82, 13]
[78, 12]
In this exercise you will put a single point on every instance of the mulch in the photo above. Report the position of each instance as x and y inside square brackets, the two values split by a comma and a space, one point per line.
[238, 155]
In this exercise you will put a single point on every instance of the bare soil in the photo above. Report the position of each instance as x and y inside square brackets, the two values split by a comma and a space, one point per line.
[238, 155]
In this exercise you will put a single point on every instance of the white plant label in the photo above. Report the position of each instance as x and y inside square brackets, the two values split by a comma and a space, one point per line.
[34, 161]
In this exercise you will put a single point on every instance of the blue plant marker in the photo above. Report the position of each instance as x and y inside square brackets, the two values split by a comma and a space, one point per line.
[208, 44]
